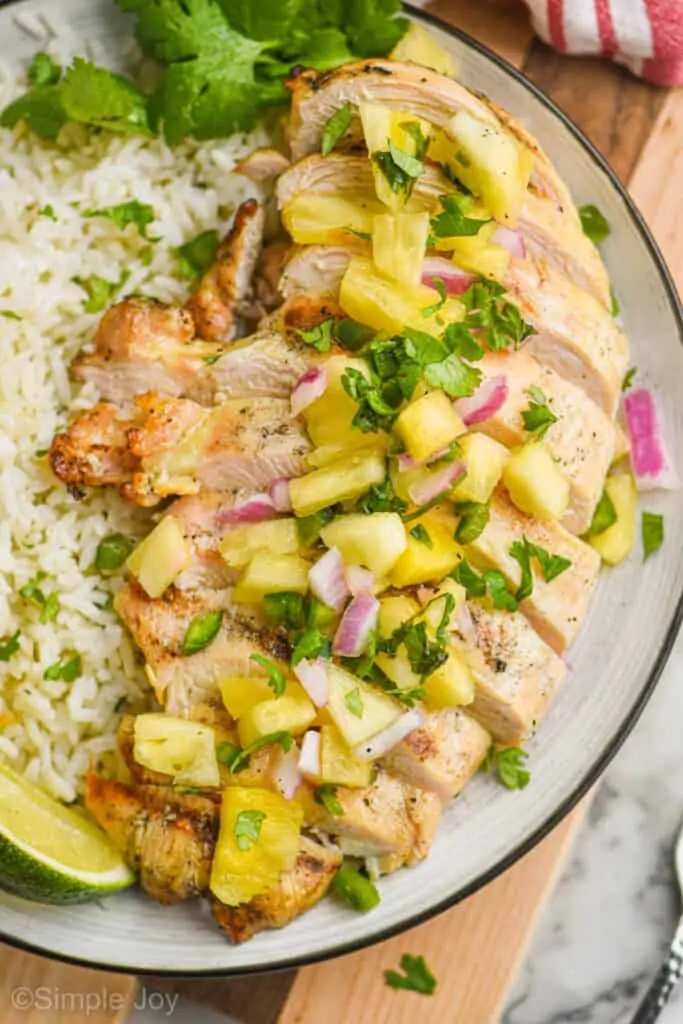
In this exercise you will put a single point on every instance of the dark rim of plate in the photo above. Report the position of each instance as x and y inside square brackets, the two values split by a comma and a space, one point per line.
[622, 732]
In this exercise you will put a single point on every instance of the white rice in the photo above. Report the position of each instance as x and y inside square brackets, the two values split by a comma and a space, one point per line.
[53, 730]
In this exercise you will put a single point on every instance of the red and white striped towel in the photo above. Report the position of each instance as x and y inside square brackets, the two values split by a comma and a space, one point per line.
[645, 35]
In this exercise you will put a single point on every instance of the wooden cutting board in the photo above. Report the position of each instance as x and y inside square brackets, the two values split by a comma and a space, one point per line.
[475, 948]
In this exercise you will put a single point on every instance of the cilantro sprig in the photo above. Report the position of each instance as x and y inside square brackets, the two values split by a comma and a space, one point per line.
[453, 221]
[538, 417]
[551, 566]
[507, 764]
[416, 976]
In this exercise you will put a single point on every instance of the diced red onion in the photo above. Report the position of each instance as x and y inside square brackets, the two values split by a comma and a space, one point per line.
[309, 758]
[313, 677]
[456, 281]
[425, 594]
[253, 510]
[650, 458]
[327, 579]
[359, 580]
[383, 742]
[279, 495]
[357, 623]
[405, 462]
[511, 240]
[424, 491]
[286, 774]
[484, 403]
[466, 626]
[310, 386]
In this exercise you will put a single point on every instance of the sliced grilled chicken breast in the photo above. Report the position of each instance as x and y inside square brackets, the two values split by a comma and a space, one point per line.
[265, 364]
[442, 755]
[556, 609]
[167, 836]
[316, 269]
[227, 283]
[516, 673]
[581, 441]
[297, 891]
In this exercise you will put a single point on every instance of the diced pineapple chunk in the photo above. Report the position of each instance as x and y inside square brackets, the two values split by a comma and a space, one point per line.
[398, 669]
[329, 220]
[376, 541]
[419, 46]
[373, 299]
[328, 419]
[393, 612]
[475, 210]
[489, 260]
[616, 543]
[241, 693]
[357, 442]
[485, 460]
[358, 710]
[292, 712]
[421, 563]
[488, 160]
[342, 480]
[271, 574]
[382, 125]
[243, 868]
[160, 558]
[452, 684]
[435, 610]
[338, 765]
[399, 242]
[275, 536]
[535, 482]
[178, 747]
[429, 424]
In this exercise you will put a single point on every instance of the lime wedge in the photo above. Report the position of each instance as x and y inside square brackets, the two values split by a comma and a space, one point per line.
[50, 853]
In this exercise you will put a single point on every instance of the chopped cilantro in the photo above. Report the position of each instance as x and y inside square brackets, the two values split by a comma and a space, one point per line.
[47, 211]
[474, 517]
[424, 655]
[321, 337]
[374, 411]
[652, 529]
[123, 214]
[420, 534]
[310, 644]
[309, 527]
[33, 594]
[326, 796]
[411, 516]
[335, 128]
[605, 515]
[99, 291]
[381, 498]
[593, 223]
[43, 70]
[356, 888]
[614, 303]
[68, 668]
[285, 609]
[538, 417]
[276, 678]
[412, 166]
[9, 647]
[454, 376]
[416, 976]
[551, 566]
[354, 702]
[247, 829]
[9, 314]
[499, 322]
[490, 583]
[452, 222]
[628, 378]
[508, 764]
[237, 760]
[195, 256]
[352, 334]
[439, 284]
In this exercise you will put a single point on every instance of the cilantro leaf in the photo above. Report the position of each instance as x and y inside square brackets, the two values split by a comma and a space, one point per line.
[47, 211]
[42, 110]
[605, 515]
[326, 796]
[614, 303]
[538, 418]
[593, 223]
[628, 378]
[374, 411]
[452, 222]
[285, 609]
[508, 764]
[67, 669]
[381, 498]
[101, 98]
[416, 976]
[309, 527]
[652, 529]
[474, 517]
[354, 702]
[9, 314]
[123, 214]
[310, 644]
[99, 291]
[321, 337]
[425, 655]
[197, 254]
[373, 26]
[352, 334]
[9, 646]
[247, 828]
[276, 678]
[453, 376]
[490, 583]
[551, 566]
[43, 70]
[421, 535]
[499, 322]
[439, 284]
[265, 20]
[237, 760]
[335, 128]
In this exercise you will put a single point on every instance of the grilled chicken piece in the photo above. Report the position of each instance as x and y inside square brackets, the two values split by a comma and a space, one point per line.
[442, 755]
[316, 268]
[262, 164]
[516, 673]
[142, 345]
[203, 520]
[381, 820]
[267, 277]
[266, 364]
[297, 891]
[174, 447]
[549, 234]
[169, 837]
[227, 282]
[159, 627]
[413, 90]
[576, 336]
[556, 609]
[581, 442]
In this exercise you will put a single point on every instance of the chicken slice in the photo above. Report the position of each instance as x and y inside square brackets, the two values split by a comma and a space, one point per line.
[549, 234]
[556, 609]
[159, 628]
[297, 891]
[442, 755]
[174, 447]
[317, 268]
[576, 336]
[167, 836]
[262, 164]
[204, 520]
[516, 673]
[227, 283]
[266, 364]
[142, 345]
[581, 441]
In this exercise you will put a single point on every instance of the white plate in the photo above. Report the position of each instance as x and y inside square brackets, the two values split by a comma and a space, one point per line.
[613, 667]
